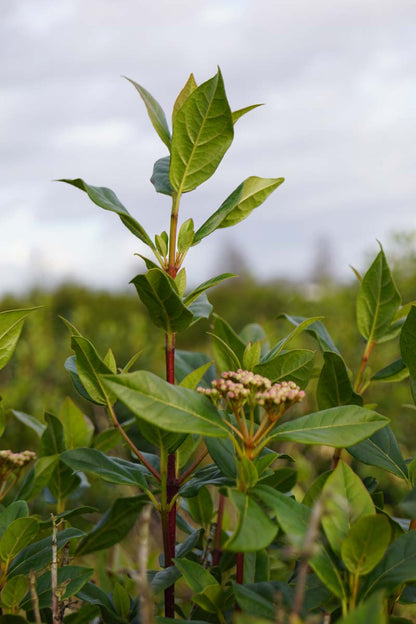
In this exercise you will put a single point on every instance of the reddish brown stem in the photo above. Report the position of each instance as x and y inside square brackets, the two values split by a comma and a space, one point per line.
[239, 570]
[412, 526]
[335, 458]
[217, 552]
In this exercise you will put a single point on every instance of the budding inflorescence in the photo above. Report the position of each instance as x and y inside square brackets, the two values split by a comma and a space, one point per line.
[11, 461]
[241, 391]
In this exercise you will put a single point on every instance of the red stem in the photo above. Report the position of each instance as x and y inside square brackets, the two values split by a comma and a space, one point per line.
[239, 570]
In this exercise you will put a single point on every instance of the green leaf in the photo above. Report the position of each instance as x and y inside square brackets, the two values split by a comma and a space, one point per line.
[334, 383]
[394, 372]
[346, 501]
[282, 344]
[158, 293]
[378, 300]
[195, 575]
[78, 429]
[169, 407]
[243, 111]
[30, 421]
[372, 610]
[39, 477]
[11, 323]
[254, 529]
[205, 286]
[316, 329]
[186, 362]
[253, 602]
[283, 479]
[155, 112]
[89, 367]
[17, 509]
[293, 365]
[222, 330]
[408, 347]
[185, 236]
[52, 441]
[189, 88]
[408, 504]
[192, 380]
[115, 524]
[243, 200]
[202, 133]
[397, 567]
[365, 544]
[160, 176]
[338, 426]
[201, 507]
[14, 591]
[107, 199]
[252, 354]
[19, 534]
[63, 482]
[70, 578]
[111, 469]
[121, 600]
[200, 308]
[381, 450]
[222, 452]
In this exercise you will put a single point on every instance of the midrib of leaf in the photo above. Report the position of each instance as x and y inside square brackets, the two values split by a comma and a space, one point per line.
[333, 426]
[196, 144]
[11, 327]
[97, 379]
[388, 457]
[387, 571]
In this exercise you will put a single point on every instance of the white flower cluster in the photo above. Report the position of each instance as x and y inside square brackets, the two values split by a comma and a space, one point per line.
[11, 461]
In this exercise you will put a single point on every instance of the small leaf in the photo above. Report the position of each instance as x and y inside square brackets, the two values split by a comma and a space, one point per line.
[316, 329]
[160, 176]
[192, 380]
[107, 199]
[252, 354]
[155, 112]
[334, 384]
[394, 372]
[201, 507]
[159, 294]
[89, 367]
[11, 323]
[378, 300]
[243, 111]
[365, 544]
[185, 236]
[202, 133]
[121, 600]
[30, 421]
[17, 509]
[196, 576]
[205, 286]
[243, 200]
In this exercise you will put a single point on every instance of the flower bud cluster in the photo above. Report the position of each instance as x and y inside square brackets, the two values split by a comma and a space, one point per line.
[10, 461]
[280, 395]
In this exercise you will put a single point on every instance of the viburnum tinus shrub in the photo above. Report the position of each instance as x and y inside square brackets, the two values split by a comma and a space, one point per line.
[214, 475]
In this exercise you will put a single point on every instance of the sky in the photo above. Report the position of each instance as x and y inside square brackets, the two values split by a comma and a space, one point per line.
[337, 81]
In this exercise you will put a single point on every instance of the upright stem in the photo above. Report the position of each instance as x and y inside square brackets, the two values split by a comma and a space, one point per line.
[217, 552]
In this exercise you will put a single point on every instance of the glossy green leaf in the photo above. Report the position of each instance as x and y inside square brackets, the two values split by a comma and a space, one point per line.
[371, 611]
[282, 344]
[200, 308]
[201, 507]
[397, 567]
[408, 347]
[63, 482]
[365, 544]
[107, 199]
[52, 441]
[334, 384]
[195, 575]
[155, 112]
[17, 509]
[254, 529]
[394, 372]
[345, 426]
[14, 591]
[296, 365]
[11, 323]
[30, 421]
[283, 479]
[346, 501]
[202, 133]
[243, 111]
[205, 286]
[70, 578]
[316, 329]
[381, 450]
[19, 534]
[115, 524]
[173, 408]
[189, 88]
[90, 367]
[222, 452]
[158, 293]
[71, 366]
[39, 477]
[39, 555]
[243, 200]
[111, 469]
[378, 300]
[160, 176]
[78, 429]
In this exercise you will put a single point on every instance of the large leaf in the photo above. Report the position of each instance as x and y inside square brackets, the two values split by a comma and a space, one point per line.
[408, 347]
[248, 195]
[338, 426]
[71, 579]
[398, 566]
[107, 199]
[155, 112]
[381, 450]
[11, 323]
[254, 529]
[293, 365]
[19, 534]
[160, 176]
[111, 469]
[334, 384]
[158, 293]
[202, 133]
[17, 509]
[346, 501]
[169, 407]
[114, 525]
[365, 544]
[378, 300]
[89, 368]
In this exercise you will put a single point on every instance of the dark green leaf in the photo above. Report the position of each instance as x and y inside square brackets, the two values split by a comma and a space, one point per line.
[70, 578]
[205, 286]
[378, 300]
[173, 408]
[254, 529]
[222, 452]
[160, 176]
[372, 610]
[200, 308]
[396, 371]
[253, 602]
[293, 365]
[248, 195]
[18, 509]
[381, 450]
[334, 383]
[107, 199]
[30, 421]
[408, 504]
[159, 294]
[202, 133]
[365, 544]
[52, 441]
[201, 507]
[316, 329]
[408, 347]
[155, 112]
[90, 367]
[186, 362]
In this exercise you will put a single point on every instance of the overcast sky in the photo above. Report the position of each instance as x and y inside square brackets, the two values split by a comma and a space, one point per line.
[338, 81]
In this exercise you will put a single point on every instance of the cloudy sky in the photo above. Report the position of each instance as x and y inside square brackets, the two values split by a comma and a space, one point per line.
[337, 78]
